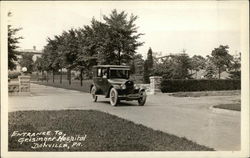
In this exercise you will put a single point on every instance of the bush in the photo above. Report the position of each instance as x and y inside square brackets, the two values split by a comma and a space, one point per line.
[13, 75]
[199, 85]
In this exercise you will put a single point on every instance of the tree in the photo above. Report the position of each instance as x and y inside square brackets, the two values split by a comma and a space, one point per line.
[69, 50]
[221, 58]
[137, 64]
[148, 66]
[27, 61]
[13, 40]
[123, 36]
[180, 66]
[174, 66]
[210, 69]
[235, 67]
[198, 63]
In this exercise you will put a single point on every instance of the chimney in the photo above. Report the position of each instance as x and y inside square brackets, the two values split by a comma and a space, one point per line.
[34, 47]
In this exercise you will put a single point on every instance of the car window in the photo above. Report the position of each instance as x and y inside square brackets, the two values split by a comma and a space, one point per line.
[119, 74]
[99, 72]
[104, 72]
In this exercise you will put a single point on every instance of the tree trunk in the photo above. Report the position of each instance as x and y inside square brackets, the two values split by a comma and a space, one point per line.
[81, 78]
[119, 57]
[69, 76]
[42, 75]
[47, 76]
[53, 75]
[61, 77]
[196, 74]
[219, 72]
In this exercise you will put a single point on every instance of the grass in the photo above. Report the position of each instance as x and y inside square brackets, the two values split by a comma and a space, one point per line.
[235, 107]
[206, 93]
[75, 85]
[104, 132]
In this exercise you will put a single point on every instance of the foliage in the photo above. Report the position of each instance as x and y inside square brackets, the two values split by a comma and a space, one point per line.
[235, 68]
[113, 41]
[174, 66]
[210, 69]
[148, 66]
[13, 40]
[38, 64]
[123, 36]
[137, 64]
[198, 63]
[221, 58]
[27, 61]
[13, 75]
[199, 85]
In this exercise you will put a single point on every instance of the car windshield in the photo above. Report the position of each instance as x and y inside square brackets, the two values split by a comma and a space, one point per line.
[119, 73]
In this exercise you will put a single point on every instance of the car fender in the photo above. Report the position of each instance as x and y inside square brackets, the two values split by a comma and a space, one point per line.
[112, 86]
[91, 87]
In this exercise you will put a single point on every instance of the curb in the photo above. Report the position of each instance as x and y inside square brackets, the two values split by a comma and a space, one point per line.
[224, 111]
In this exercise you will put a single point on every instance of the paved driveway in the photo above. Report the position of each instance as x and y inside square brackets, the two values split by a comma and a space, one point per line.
[185, 117]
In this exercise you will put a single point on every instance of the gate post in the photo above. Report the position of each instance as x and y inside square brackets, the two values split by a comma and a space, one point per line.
[24, 83]
[155, 84]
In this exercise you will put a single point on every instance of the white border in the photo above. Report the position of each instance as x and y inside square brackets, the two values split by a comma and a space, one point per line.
[244, 96]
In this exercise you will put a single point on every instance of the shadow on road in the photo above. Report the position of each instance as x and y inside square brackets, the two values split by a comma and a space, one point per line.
[119, 104]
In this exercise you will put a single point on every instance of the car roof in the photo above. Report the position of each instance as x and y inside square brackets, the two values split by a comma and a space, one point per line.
[113, 66]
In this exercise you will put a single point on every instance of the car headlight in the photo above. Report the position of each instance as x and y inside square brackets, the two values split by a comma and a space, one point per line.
[123, 86]
[136, 86]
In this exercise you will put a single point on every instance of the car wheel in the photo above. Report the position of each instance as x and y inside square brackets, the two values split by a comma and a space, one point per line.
[113, 96]
[142, 99]
[94, 96]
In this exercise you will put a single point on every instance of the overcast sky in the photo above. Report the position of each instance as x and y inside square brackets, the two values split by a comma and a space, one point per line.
[169, 27]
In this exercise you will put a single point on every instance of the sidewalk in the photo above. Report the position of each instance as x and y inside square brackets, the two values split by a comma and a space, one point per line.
[185, 117]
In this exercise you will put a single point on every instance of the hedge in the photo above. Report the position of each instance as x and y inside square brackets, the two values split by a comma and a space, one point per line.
[199, 85]
[13, 75]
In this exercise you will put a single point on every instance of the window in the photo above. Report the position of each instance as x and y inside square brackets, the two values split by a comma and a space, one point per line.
[119, 74]
[99, 72]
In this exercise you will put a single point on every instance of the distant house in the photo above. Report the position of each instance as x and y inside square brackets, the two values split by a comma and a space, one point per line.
[36, 53]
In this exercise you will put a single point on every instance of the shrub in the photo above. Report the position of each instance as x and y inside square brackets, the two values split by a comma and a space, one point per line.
[13, 75]
[199, 85]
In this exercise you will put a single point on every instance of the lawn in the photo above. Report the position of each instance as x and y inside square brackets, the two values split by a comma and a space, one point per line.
[235, 107]
[75, 85]
[206, 93]
[88, 130]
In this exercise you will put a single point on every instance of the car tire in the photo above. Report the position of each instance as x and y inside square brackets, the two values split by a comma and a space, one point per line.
[113, 96]
[93, 93]
[142, 99]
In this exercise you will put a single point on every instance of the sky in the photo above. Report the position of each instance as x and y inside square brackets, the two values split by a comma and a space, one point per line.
[168, 26]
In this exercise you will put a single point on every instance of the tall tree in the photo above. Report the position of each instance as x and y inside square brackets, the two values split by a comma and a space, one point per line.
[198, 63]
[174, 66]
[181, 66]
[148, 66]
[221, 58]
[210, 68]
[235, 67]
[27, 61]
[123, 35]
[13, 41]
[70, 50]
[138, 64]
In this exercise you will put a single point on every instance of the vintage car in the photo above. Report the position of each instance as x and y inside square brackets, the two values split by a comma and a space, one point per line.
[113, 82]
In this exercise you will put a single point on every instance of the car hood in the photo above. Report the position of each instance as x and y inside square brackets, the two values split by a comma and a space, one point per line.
[117, 81]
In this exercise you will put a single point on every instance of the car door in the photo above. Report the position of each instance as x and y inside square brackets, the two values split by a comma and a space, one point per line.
[98, 79]
[104, 81]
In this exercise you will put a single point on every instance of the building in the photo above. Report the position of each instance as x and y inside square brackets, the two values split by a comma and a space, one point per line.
[36, 53]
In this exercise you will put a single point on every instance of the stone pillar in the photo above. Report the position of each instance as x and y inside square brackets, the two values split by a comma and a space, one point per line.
[155, 83]
[24, 83]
